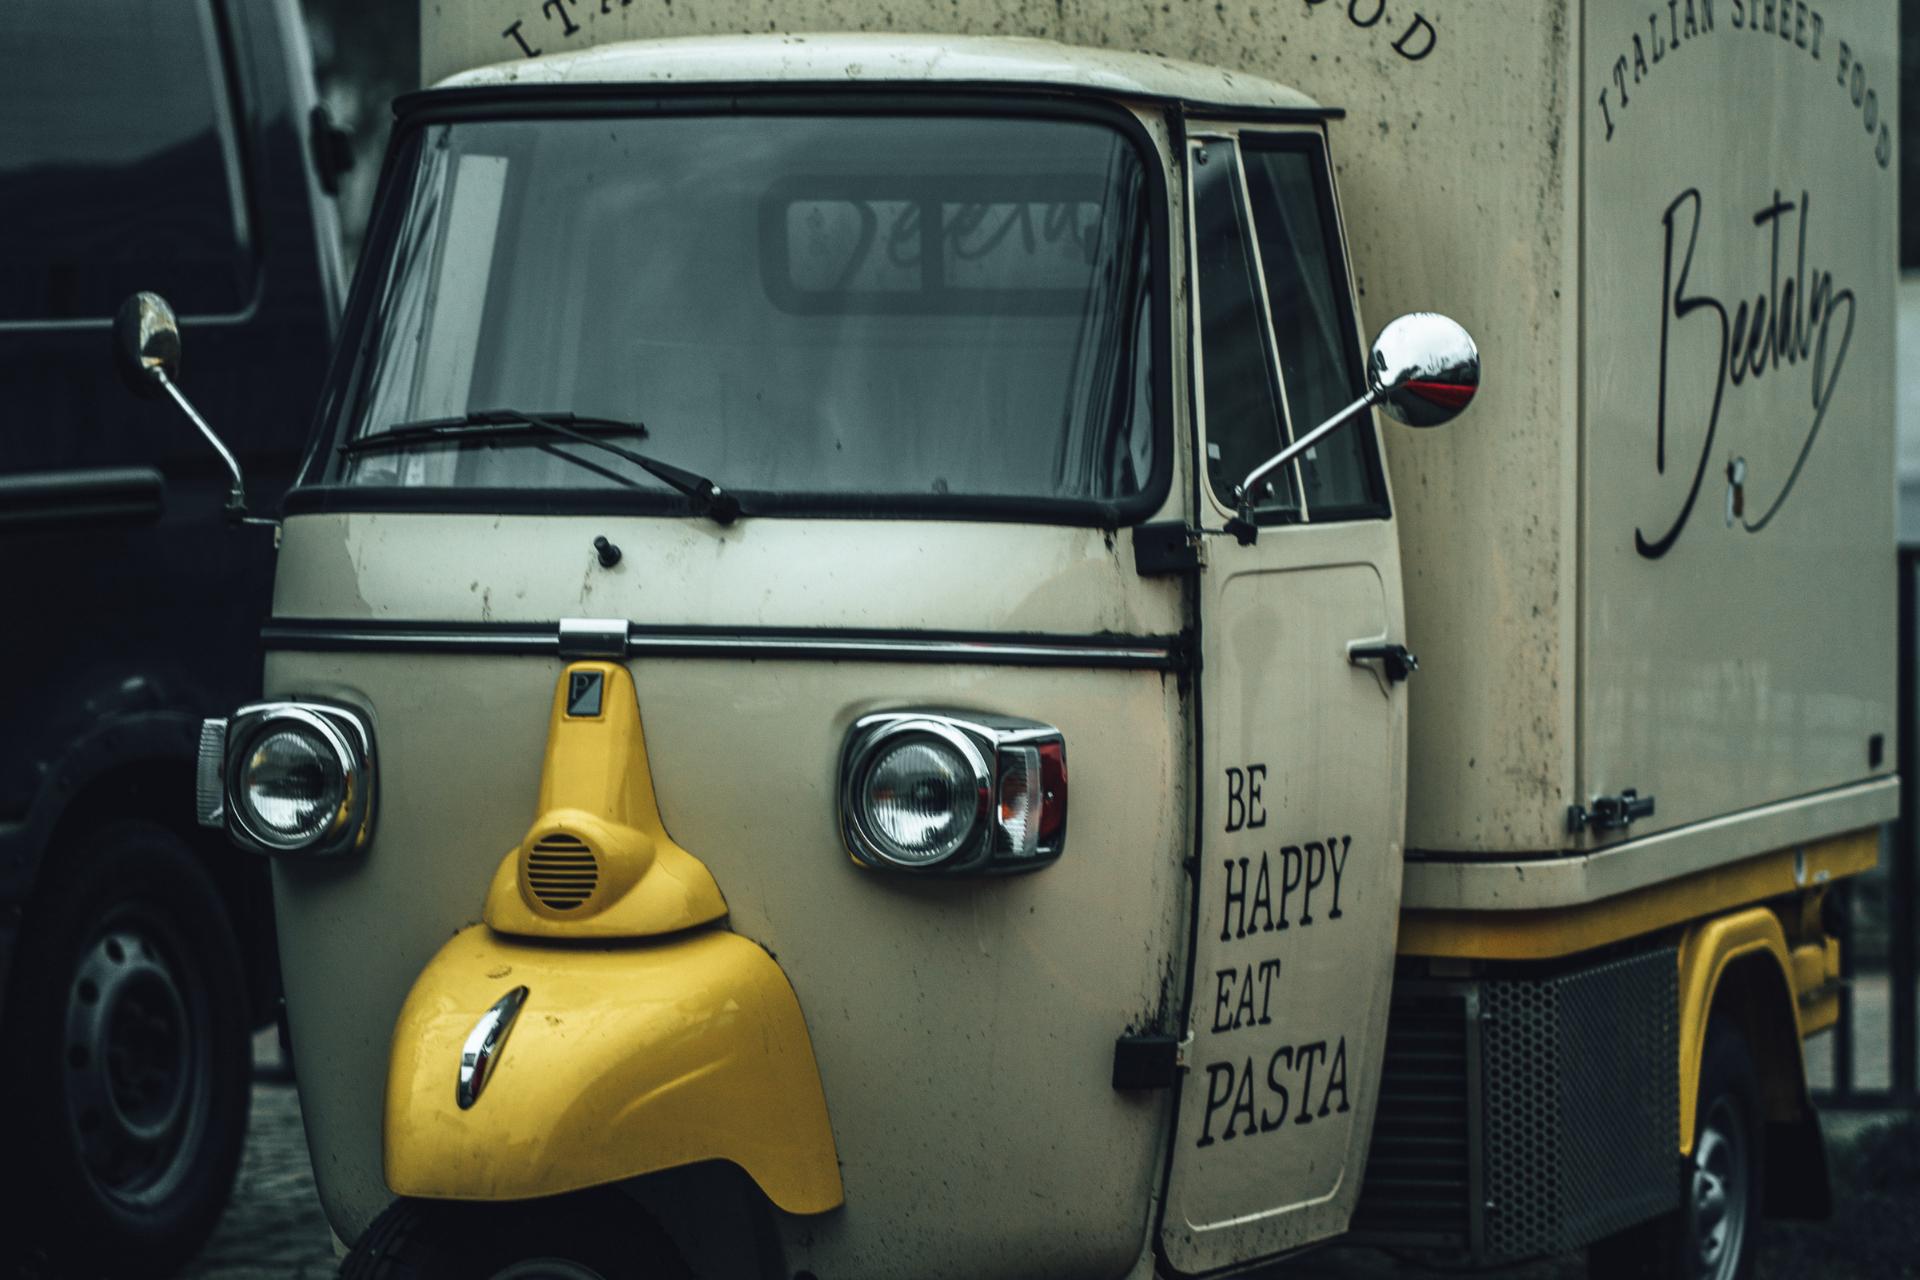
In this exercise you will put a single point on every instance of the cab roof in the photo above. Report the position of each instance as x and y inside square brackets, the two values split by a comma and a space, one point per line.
[877, 61]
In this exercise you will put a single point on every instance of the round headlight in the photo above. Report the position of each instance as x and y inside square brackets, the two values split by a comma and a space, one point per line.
[919, 797]
[292, 785]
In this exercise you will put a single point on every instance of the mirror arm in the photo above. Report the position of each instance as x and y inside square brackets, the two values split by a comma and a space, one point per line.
[237, 492]
[1242, 526]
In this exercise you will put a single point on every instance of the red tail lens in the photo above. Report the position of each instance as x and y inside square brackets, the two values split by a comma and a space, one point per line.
[1053, 793]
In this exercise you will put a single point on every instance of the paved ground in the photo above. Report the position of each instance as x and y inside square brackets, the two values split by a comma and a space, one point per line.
[273, 1229]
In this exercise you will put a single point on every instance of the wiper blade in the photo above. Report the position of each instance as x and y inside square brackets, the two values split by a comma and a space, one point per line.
[714, 502]
[483, 424]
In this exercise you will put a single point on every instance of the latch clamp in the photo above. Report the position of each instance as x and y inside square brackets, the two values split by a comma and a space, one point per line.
[1609, 813]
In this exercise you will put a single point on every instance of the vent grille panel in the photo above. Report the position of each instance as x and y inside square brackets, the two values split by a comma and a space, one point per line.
[562, 872]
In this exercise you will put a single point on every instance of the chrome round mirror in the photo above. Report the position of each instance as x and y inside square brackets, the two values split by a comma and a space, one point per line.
[146, 344]
[1424, 369]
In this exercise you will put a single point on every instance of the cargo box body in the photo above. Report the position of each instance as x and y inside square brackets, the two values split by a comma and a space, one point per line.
[1657, 555]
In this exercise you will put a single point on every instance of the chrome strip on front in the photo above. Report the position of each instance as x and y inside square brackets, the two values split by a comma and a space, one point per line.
[1152, 653]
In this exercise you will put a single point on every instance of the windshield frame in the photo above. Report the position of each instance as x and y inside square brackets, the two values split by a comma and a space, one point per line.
[320, 486]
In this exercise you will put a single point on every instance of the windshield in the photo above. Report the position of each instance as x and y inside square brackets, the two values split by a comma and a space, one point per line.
[880, 310]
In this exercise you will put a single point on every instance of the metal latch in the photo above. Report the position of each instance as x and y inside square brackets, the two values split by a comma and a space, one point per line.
[1149, 1059]
[1609, 813]
[1396, 661]
[1167, 547]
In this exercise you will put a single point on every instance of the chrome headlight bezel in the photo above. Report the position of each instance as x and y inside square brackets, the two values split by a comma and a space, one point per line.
[345, 739]
[987, 744]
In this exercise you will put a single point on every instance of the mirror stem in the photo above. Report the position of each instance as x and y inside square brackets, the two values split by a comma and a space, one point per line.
[237, 493]
[1304, 443]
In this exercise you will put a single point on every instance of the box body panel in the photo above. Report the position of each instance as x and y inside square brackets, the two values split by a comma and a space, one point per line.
[1737, 611]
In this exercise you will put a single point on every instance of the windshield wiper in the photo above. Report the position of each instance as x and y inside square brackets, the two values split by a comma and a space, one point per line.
[713, 501]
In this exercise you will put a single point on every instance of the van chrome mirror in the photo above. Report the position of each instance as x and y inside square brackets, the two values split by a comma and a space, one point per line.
[1426, 368]
[1423, 370]
[146, 355]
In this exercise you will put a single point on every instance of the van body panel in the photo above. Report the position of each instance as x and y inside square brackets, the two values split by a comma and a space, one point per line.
[999, 997]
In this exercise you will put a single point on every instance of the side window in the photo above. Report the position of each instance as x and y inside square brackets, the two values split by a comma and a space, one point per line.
[118, 163]
[1239, 397]
[1313, 327]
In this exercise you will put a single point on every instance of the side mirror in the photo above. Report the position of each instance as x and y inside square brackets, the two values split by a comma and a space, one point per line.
[1424, 369]
[146, 355]
[146, 343]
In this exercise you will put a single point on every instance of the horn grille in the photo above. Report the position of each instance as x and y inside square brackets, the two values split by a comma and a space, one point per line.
[562, 871]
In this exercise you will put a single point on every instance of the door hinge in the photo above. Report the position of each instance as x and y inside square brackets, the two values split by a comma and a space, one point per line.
[1609, 813]
[1149, 1059]
[1167, 547]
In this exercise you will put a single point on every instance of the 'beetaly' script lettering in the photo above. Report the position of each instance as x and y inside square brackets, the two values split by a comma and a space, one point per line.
[1786, 323]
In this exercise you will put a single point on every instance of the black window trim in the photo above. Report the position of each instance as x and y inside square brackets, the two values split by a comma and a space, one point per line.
[315, 490]
[1248, 134]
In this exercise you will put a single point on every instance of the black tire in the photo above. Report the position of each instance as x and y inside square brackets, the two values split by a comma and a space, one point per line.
[127, 1057]
[591, 1236]
[1712, 1235]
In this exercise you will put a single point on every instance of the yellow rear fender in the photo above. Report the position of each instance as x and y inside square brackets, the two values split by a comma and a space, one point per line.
[1708, 952]
[621, 1061]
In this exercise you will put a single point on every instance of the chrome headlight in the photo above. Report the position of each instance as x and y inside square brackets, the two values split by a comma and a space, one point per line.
[296, 777]
[953, 793]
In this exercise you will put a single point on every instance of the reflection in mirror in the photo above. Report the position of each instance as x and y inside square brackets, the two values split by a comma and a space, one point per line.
[1425, 368]
[146, 345]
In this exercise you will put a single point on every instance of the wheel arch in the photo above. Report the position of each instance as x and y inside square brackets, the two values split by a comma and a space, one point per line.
[1737, 967]
[142, 766]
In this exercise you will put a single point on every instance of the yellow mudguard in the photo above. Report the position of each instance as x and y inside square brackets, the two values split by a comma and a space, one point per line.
[624, 1060]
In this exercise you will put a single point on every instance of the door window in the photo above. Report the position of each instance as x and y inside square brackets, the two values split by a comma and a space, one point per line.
[119, 168]
[1239, 393]
[1313, 327]
[1278, 355]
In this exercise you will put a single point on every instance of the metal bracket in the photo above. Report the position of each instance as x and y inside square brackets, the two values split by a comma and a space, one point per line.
[1166, 548]
[1609, 813]
[593, 638]
[1149, 1060]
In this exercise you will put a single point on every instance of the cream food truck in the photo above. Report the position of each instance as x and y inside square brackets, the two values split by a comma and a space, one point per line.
[767, 476]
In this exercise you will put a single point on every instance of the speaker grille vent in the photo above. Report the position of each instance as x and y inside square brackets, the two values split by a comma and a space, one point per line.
[562, 871]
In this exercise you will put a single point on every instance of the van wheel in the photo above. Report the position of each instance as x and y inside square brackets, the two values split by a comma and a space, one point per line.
[129, 1052]
[1711, 1236]
[592, 1236]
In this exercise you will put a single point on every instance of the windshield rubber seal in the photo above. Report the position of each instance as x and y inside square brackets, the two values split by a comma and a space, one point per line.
[317, 491]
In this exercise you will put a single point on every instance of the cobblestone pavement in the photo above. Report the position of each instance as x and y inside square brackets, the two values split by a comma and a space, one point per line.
[273, 1228]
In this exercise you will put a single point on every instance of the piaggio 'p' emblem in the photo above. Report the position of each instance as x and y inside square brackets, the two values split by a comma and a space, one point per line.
[583, 693]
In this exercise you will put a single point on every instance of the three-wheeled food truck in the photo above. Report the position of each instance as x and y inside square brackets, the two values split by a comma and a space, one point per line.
[833, 712]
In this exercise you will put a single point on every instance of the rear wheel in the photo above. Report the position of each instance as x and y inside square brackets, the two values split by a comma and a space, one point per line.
[593, 1236]
[1711, 1236]
[127, 1027]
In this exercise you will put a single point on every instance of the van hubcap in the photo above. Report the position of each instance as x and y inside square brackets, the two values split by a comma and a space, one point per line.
[133, 1059]
[1717, 1205]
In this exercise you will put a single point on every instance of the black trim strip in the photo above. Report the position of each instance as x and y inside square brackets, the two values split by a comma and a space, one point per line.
[1019, 649]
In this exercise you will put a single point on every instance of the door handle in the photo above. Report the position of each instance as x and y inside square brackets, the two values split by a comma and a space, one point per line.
[1397, 662]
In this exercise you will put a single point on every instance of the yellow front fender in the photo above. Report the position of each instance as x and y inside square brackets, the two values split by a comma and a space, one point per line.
[624, 1060]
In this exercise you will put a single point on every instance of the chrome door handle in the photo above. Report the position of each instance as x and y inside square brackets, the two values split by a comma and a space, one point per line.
[1397, 662]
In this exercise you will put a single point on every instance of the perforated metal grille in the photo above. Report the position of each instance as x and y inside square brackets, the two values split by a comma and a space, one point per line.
[562, 871]
[1581, 1103]
[1418, 1188]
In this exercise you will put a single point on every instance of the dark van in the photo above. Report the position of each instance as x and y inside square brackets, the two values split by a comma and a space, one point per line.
[178, 146]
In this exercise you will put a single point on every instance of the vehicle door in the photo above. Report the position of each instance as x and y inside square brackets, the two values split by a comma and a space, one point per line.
[1302, 735]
